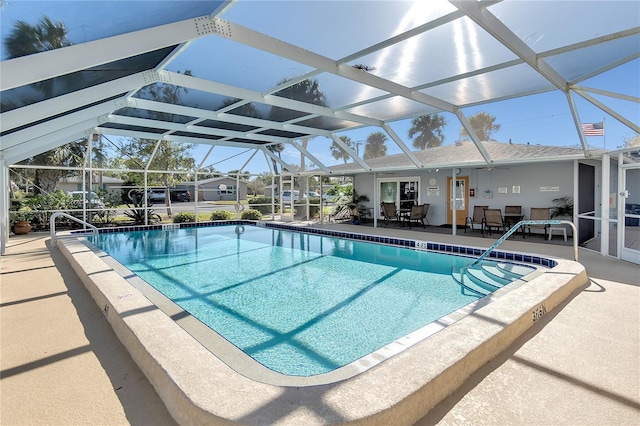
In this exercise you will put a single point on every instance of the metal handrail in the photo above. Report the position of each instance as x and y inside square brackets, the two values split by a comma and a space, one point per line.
[531, 222]
[513, 229]
[52, 225]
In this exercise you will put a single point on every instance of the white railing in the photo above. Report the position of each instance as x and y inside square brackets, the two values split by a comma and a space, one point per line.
[515, 227]
[52, 225]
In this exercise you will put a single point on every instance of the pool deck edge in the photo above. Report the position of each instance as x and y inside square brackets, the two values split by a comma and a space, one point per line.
[402, 389]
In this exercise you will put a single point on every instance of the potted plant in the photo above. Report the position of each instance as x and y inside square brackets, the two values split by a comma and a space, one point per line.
[563, 207]
[21, 221]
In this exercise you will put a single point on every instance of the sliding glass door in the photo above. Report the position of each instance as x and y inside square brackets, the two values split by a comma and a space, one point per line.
[403, 192]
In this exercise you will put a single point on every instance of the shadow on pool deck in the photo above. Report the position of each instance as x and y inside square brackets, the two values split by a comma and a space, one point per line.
[578, 366]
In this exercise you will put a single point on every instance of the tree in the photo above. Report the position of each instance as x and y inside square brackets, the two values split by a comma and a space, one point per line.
[26, 39]
[257, 185]
[375, 146]
[631, 141]
[241, 175]
[209, 172]
[277, 149]
[307, 91]
[69, 155]
[426, 131]
[340, 154]
[483, 125]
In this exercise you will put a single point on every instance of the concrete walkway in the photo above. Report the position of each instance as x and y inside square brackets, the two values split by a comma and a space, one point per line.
[61, 364]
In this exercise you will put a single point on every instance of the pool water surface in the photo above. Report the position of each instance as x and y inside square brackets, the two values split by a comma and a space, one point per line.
[297, 303]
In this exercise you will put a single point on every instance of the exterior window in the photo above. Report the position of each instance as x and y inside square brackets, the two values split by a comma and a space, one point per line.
[230, 190]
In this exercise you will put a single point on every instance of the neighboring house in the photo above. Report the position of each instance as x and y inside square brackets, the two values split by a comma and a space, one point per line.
[74, 183]
[218, 189]
[523, 175]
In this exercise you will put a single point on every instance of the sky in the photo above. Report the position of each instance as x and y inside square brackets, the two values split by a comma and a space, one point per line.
[543, 119]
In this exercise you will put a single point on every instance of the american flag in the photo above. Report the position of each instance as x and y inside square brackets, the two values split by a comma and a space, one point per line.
[593, 129]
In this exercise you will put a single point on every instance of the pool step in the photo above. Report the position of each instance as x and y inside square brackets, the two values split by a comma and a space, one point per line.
[470, 285]
[490, 277]
[517, 271]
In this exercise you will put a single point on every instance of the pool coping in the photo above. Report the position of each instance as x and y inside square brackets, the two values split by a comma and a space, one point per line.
[197, 387]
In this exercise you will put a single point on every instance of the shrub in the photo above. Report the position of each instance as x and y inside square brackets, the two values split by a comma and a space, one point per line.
[263, 199]
[183, 217]
[220, 215]
[251, 214]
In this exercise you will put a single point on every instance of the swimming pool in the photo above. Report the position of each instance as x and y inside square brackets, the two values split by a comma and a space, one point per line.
[417, 372]
[300, 304]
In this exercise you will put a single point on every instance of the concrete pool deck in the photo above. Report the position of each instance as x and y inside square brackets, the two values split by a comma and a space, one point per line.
[577, 365]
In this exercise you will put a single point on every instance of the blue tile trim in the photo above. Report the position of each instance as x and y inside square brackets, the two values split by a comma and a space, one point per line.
[431, 246]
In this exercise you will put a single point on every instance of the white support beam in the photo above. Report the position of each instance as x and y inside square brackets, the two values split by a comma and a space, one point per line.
[23, 151]
[86, 118]
[253, 96]
[175, 138]
[145, 122]
[278, 47]
[633, 126]
[284, 165]
[607, 93]
[5, 183]
[474, 137]
[478, 13]
[310, 156]
[351, 153]
[54, 106]
[41, 66]
[577, 123]
[153, 154]
[402, 146]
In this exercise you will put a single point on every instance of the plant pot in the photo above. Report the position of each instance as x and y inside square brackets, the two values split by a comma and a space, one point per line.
[21, 227]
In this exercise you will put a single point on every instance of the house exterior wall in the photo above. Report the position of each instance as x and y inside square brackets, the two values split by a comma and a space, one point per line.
[539, 184]
[210, 191]
[111, 188]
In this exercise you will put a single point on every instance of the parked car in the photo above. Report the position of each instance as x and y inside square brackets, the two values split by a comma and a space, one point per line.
[91, 200]
[156, 195]
[313, 194]
[328, 197]
[180, 195]
[286, 195]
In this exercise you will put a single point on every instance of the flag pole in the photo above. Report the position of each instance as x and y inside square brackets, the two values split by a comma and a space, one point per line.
[604, 134]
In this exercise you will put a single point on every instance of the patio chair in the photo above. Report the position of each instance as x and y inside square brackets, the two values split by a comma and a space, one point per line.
[416, 214]
[477, 219]
[389, 212]
[513, 209]
[539, 213]
[341, 213]
[425, 210]
[493, 219]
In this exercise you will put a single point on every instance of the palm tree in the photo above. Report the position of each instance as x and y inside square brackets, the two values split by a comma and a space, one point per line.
[340, 154]
[304, 91]
[375, 146]
[426, 131]
[26, 39]
[483, 125]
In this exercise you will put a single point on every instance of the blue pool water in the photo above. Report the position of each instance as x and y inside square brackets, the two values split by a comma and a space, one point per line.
[299, 304]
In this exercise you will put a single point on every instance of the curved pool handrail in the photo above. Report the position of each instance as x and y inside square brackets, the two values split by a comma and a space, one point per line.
[531, 222]
[52, 224]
